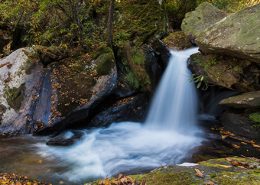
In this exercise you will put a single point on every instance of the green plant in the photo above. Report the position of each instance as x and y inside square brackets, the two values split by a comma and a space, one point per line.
[255, 117]
[200, 81]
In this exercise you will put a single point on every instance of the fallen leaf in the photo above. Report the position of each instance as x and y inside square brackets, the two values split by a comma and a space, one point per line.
[209, 183]
[199, 173]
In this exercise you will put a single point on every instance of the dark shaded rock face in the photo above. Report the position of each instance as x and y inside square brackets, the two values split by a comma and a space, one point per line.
[5, 39]
[128, 109]
[240, 124]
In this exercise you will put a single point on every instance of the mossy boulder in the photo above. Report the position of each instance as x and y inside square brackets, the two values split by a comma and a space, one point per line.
[133, 68]
[21, 77]
[236, 35]
[226, 171]
[249, 100]
[200, 19]
[79, 85]
[177, 40]
[227, 72]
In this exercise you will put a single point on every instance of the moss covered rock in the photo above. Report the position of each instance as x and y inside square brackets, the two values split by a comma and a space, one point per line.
[20, 77]
[202, 18]
[177, 40]
[226, 171]
[138, 21]
[79, 84]
[236, 35]
[228, 72]
[133, 68]
[246, 100]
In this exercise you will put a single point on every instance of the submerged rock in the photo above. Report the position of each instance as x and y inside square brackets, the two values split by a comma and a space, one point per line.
[128, 109]
[66, 138]
[246, 100]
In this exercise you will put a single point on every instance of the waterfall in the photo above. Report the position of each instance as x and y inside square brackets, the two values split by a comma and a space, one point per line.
[166, 138]
[175, 102]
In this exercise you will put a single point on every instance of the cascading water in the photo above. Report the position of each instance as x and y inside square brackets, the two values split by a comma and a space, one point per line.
[175, 103]
[168, 134]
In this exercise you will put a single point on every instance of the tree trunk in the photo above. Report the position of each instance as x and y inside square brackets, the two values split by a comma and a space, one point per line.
[110, 23]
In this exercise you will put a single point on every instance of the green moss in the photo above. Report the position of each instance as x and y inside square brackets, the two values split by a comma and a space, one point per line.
[169, 178]
[132, 80]
[255, 117]
[138, 57]
[138, 21]
[105, 62]
[251, 177]
[14, 96]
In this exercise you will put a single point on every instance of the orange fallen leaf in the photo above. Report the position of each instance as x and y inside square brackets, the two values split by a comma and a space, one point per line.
[199, 173]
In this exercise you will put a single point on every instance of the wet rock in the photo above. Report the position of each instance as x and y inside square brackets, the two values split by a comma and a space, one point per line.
[162, 52]
[128, 109]
[177, 40]
[247, 101]
[227, 72]
[202, 18]
[66, 139]
[240, 124]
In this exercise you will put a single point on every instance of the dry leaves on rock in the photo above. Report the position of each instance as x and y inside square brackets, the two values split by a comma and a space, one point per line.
[121, 180]
[13, 179]
[199, 173]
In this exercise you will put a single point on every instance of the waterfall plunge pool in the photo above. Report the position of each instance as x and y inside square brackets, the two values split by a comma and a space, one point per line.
[166, 138]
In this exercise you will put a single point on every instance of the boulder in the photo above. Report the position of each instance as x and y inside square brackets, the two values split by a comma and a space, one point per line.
[66, 138]
[231, 73]
[128, 109]
[80, 85]
[236, 35]
[21, 79]
[245, 101]
[203, 17]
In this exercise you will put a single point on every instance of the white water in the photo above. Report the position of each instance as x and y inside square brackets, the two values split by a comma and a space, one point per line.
[166, 138]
